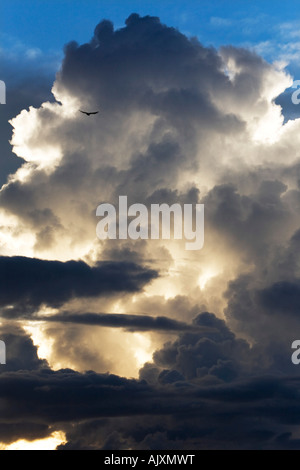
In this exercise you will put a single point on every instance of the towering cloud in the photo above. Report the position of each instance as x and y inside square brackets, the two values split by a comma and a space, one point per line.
[178, 122]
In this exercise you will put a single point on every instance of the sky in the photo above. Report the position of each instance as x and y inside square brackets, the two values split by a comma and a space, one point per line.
[33, 23]
[115, 344]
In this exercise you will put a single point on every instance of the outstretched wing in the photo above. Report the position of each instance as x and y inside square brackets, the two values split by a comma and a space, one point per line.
[88, 114]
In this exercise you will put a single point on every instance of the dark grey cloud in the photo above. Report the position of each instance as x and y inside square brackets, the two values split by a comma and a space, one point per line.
[215, 355]
[254, 221]
[33, 282]
[21, 354]
[263, 305]
[104, 411]
[145, 56]
[124, 320]
[283, 296]
[228, 419]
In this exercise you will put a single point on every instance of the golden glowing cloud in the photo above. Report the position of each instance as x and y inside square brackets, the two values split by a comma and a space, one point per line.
[49, 443]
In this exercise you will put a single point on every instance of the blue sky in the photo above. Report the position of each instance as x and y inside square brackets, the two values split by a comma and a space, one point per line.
[48, 25]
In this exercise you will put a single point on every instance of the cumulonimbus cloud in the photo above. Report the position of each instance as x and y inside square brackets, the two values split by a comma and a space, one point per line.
[177, 122]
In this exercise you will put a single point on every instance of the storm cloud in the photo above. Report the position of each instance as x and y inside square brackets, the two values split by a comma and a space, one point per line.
[35, 282]
[191, 350]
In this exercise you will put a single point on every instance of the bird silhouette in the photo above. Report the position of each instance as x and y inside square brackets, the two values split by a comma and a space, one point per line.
[88, 114]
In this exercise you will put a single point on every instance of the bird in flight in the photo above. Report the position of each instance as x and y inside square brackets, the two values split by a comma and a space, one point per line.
[88, 114]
